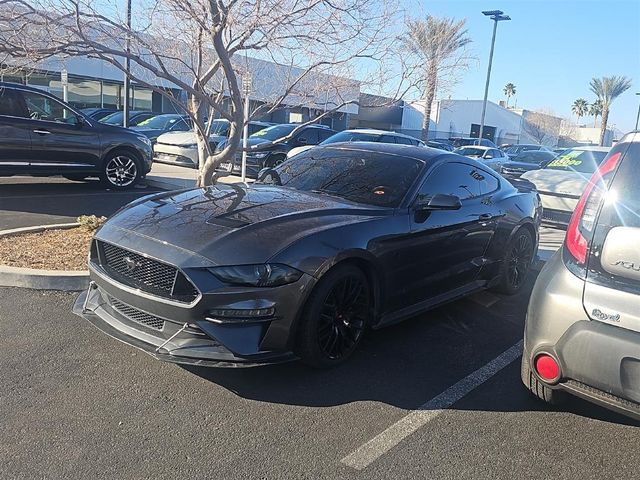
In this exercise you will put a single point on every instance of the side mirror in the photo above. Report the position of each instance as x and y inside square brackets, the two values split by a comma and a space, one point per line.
[439, 201]
[80, 121]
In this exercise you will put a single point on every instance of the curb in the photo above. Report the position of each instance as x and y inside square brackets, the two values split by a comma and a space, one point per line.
[64, 280]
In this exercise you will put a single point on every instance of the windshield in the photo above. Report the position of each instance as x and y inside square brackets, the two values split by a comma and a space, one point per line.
[351, 137]
[116, 118]
[159, 121]
[274, 133]
[361, 177]
[470, 151]
[533, 157]
[220, 128]
[581, 161]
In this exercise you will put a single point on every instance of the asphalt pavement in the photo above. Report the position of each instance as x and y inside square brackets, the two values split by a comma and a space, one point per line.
[29, 201]
[78, 404]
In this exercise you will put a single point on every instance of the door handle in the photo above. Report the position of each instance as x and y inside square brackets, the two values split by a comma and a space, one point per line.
[42, 132]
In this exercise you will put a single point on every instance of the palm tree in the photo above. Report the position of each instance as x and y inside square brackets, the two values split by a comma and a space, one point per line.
[509, 91]
[607, 89]
[595, 110]
[580, 107]
[435, 42]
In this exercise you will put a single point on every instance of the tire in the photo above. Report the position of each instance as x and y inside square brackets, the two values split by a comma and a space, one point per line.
[516, 263]
[120, 170]
[538, 388]
[327, 335]
[276, 160]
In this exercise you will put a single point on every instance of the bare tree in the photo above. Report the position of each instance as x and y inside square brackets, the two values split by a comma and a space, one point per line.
[306, 52]
[436, 46]
[543, 126]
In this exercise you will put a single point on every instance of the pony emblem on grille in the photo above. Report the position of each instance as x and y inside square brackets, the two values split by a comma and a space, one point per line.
[130, 264]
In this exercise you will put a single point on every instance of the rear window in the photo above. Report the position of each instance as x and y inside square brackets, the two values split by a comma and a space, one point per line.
[575, 160]
[622, 207]
[467, 151]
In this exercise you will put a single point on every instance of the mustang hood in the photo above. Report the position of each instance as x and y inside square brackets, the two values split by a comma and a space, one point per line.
[227, 224]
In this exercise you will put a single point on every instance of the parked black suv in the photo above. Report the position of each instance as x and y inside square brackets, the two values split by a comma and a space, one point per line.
[42, 136]
[273, 154]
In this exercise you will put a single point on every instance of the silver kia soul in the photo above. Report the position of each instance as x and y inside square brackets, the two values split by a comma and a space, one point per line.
[582, 333]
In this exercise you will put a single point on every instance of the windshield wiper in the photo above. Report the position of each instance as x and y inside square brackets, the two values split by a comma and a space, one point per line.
[327, 193]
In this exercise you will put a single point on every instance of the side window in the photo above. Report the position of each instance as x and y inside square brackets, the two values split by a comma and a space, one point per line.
[180, 126]
[404, 141]
[490, 154]
[387, 139]
[460, 179]
[40, 107]
[10, 104]
[324, 134]
[310, 136]
[253, 128]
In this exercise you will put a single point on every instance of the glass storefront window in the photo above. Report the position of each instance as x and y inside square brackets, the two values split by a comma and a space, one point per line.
[84, 93]
[112, 95]
[142, 99]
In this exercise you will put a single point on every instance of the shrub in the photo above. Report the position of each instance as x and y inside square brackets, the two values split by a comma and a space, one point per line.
[91, 222]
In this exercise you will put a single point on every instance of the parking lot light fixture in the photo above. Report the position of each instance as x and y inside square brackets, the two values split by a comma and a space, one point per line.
[496, 16]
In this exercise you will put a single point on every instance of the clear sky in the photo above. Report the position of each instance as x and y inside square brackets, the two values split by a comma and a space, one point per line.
[550, 50]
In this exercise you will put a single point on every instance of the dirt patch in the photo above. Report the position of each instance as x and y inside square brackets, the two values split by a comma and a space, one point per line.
[48, 250]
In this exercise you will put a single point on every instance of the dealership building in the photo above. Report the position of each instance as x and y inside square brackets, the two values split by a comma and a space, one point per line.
[93, 83]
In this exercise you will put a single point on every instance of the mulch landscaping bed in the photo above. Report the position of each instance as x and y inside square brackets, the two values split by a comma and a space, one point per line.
[48, 250]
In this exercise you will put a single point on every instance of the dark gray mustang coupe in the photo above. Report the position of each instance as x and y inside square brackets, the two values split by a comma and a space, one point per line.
[300, 264]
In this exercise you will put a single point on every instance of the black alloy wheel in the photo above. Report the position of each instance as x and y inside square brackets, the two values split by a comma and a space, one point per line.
[336, 317]
[517, 262]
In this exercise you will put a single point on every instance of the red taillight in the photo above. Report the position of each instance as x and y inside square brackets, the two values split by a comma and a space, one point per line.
[575, 241]
[547, 367]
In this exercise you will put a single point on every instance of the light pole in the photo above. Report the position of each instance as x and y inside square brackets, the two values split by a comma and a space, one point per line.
[496, 16]
[127, 66]
[246, 85]
[638, 117]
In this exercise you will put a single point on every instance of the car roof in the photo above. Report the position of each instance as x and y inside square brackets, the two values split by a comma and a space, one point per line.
[375, 131]
[589, 148]
[481, 147]
[424, 154]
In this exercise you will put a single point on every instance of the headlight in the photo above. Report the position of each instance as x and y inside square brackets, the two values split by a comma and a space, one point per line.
[257, 154]
[264, 275]
[144, 140]
[190, 145]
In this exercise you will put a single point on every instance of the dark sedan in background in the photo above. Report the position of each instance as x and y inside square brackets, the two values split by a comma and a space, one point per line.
[42, 136]
[98, 113]
[331, 242]
[269, 154]
[526, 161]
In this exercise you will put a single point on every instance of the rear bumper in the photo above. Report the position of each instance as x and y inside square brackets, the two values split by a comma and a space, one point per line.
[598, 361]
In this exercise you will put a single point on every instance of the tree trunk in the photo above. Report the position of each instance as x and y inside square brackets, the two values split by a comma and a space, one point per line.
[603, 125]
[507, 101]
[430, 93]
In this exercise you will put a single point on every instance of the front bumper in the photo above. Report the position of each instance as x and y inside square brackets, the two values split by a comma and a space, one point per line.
[175, 155]
[189, 333]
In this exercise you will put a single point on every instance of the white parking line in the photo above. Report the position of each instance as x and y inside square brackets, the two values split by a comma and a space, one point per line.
[392, 436]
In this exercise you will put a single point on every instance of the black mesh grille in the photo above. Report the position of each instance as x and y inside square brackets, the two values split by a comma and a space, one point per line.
[146, 274]
[136, 315]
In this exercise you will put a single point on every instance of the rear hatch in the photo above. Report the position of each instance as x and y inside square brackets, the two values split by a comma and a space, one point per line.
[612, 287]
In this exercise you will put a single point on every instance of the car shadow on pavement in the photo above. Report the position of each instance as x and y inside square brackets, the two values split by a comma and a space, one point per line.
[408, 364]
